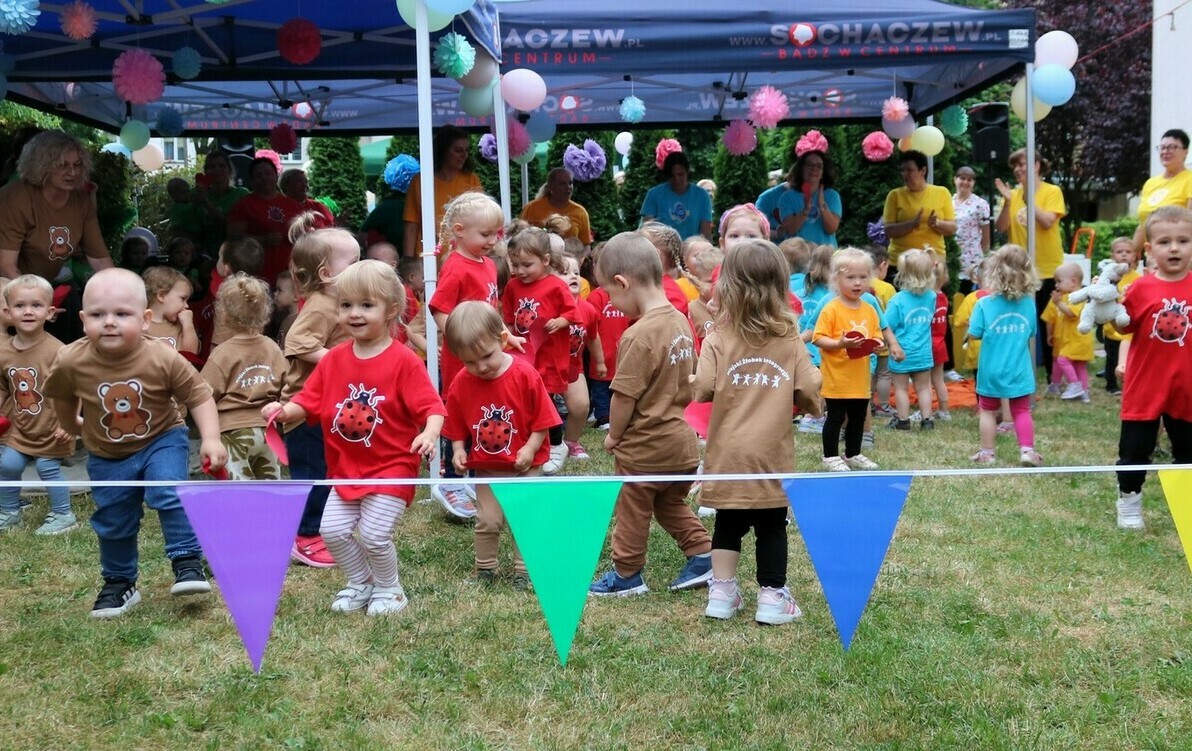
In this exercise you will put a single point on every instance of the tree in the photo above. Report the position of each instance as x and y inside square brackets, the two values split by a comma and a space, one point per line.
[739, 179]
[641, 174]
[599, 196]
[337, 171]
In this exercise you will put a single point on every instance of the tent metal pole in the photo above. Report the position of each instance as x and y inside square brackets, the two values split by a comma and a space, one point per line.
[426, 158]
[1028, 187]
[501, 131]
[525, 172]
[931, 159]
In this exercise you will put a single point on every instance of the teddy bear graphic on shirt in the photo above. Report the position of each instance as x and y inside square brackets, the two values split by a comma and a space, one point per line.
[24, 390]
[358, 416]
[124, 416]
[60, 246]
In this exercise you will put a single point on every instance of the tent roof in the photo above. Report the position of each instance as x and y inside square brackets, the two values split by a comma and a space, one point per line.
[689, 61]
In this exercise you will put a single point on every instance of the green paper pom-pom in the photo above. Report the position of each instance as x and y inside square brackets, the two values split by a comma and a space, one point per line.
[954, 121]
[454, 55]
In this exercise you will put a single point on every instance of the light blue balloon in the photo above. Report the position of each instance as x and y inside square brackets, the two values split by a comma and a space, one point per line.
[1053, 84]
[540, 127]
[116, 147]
[450, 7]
[477, 102]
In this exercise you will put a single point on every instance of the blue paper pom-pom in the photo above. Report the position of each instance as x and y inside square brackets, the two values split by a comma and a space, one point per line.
[169, 123]
[187, 63]
[18, 16]
[632, 109]
[454, 56]
[488, 147]
[400, 171]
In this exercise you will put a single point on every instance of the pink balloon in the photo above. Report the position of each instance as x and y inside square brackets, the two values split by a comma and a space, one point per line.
[523, 89]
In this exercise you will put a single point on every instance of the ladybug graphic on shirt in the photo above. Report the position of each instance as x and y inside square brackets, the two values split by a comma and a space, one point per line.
[1171, 322]
[358, 415]
[578, 334]
[525, 315]
[493, 296]
[494, 432]
[275, 214]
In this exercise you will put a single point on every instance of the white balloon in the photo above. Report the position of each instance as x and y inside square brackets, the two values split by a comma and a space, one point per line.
[1058, 48]
[1018, 102]
[623, 142]
[149, 158]
[483, 71]
[523, 89]
[928, 139]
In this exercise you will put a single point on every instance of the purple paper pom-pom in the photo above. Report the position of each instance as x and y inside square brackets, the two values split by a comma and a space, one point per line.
[877, 233]
[585, 164]
[488, 147]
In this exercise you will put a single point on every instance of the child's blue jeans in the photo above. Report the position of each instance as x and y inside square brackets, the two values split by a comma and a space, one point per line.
[304, 444]
[601, 398]
[49, 469]
[118, 511]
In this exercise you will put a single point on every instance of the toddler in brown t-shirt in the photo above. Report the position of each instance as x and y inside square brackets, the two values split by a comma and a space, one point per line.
[168, 291]
[647, 433]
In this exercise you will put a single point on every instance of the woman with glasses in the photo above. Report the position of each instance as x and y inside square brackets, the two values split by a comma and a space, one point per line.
[917, 215]
[810, 208]
[1172, 188]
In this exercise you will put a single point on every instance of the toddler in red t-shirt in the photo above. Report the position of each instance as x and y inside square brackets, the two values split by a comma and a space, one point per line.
[584, 334]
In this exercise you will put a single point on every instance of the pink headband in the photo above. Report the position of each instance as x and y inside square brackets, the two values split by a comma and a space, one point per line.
[765, 223]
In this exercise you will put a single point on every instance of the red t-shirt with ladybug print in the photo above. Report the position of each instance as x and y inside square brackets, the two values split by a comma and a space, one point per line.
[526, 308]
[939, 330]
[461, 279]
[611, 323]
[1160, 357]
[582, 332]
[371, 411]
[497, 416]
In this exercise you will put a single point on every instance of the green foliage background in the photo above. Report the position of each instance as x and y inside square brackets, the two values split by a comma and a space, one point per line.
[337, 170]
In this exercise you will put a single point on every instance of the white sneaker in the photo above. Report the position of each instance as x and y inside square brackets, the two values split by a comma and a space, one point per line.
[776, 606]
[724, 599]
[953, 376]
[1073, 391]
[812, 425]
[705, 512]
[860, 461]
[558, 455]
[1129, 511]
[387, 601]
[351, 598]
[458, 499]
[943, 415]
[835, 464]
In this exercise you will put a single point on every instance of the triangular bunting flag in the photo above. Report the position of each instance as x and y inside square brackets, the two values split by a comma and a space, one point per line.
[247, 534]
[560, 530]
[1177, 486]
[847, 524]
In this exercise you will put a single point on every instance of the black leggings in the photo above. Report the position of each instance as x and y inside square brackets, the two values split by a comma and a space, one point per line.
[838, 409]
[769, 532]
[1137, 443]
[1113, 349]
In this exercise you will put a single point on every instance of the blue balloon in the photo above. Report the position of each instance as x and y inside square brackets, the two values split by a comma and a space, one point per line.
[116, 147]
[450, 7]
[540, 127]
[1053, 84]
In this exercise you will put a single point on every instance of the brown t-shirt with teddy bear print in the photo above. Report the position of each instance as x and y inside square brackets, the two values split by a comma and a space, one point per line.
[23, 374]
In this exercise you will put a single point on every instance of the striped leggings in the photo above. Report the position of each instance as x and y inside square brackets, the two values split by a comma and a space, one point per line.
[360, 536]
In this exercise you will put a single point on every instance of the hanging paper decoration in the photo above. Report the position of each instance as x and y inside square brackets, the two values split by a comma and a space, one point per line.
[454, 55]
[400, 170]
[876, 231]
[585, 164]
[767, 107]
[664, 149]
[812, 140]
[519, 140]
[299, 41]
[633, 110]
[138, 77]
[271, 156]
[488, 147]
[134, 134]
[895, 109]
[740, 138]
[187, 63]
[954, 121]
[877, 147]
[169, 123]
[79, 20]
[18, 16]
[283, 139]
[623, 142]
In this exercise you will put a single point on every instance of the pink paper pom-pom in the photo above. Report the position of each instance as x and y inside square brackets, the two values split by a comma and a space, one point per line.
[812, 140]
[519, 139]
[877, 147]
[665, 148]
[299, 41]
[79, 21]
[767, 107]
[283, 139]
[271, 156]
[895, 108]
[740, 138]
[138, 77]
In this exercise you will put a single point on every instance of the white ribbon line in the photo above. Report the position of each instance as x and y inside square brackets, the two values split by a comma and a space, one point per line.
[736, 477]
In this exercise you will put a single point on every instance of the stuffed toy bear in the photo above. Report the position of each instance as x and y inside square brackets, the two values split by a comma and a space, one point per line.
[1101, 298]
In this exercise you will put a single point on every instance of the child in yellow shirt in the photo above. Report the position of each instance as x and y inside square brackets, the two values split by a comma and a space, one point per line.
[1122, 251]
[1073, 350]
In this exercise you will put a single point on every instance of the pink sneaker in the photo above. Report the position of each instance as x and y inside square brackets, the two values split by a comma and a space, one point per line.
[311, 551]
[575, 450]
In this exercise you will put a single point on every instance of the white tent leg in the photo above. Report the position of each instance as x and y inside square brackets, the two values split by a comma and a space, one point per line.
[426, 157]
[1028, 188]
[501, 130]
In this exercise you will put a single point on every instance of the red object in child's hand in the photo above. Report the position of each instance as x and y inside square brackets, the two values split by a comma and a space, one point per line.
[275, 440]
[698, 415]
[866, 347]
[219, 474]
[5, 424]
[202, 180]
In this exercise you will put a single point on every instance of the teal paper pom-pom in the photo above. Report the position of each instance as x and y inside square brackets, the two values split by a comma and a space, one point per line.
[18, 16]
[454, 56]
[169, 123]
[632, 109]
[187, 63]
[954, 121]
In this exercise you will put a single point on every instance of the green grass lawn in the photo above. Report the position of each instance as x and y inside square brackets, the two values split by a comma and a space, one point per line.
[1010, 614]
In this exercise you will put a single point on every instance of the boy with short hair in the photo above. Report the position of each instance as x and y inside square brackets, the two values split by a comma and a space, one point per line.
[34, 433]
[126, 387]
[1156, 361]
[647, 433]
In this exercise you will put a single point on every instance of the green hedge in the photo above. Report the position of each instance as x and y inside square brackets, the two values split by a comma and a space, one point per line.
[1106, 231]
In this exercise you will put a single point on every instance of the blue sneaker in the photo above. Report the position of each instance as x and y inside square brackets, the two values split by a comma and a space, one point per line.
[613, 584]
[696, 573]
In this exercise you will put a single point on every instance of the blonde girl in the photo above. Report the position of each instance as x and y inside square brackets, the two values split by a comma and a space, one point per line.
[740, 223]
[471, 228]
[1005, 324]
[318, 258]
[173, 321]
[752, 367]
[909, 315]
[394, 423]
[245, 372]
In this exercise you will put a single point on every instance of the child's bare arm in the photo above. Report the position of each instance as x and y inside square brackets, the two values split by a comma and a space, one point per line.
[313, 357]
[188, 340]
[1123, 354]
[525, 455]
[596, 352]
[284, 413]
[620, 411]
[459, 456]
[206, 417]
[896, 353]
[425, 442]
[68, 415]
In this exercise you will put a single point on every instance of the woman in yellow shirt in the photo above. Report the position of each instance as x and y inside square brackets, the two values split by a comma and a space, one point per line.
[917, 215]
[454, 175]
[1172, 188]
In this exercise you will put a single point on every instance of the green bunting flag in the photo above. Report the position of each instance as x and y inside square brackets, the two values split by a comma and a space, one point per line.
[560, 529]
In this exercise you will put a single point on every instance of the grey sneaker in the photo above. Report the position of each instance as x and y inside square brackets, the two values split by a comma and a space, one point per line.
[9, 520]
[1129, 511]
[56, 524]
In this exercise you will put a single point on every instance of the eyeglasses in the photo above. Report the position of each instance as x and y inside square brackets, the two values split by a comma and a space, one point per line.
[1169, 147]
